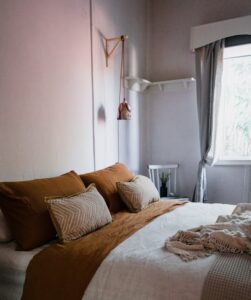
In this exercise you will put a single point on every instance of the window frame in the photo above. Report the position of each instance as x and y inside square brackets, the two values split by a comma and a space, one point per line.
[231, 42]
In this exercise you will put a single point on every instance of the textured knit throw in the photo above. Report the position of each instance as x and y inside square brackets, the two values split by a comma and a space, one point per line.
[230, 234]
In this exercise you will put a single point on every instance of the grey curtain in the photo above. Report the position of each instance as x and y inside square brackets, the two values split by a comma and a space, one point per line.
[208, 74]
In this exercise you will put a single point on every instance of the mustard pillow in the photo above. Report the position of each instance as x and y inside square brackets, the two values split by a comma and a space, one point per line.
[5, 233]
[23, 206]
[105, 181]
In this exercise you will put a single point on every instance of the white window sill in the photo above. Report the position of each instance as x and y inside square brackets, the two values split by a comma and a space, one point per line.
[231, 162]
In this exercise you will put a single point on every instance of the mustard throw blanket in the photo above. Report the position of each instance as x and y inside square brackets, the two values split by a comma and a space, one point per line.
[62, 272]
[230, 234]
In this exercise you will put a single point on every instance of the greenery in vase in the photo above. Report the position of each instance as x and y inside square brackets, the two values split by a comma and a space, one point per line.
[164, 178]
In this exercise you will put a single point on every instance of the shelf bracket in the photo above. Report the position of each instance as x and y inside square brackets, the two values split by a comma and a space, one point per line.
[161, 87]
[116, 41]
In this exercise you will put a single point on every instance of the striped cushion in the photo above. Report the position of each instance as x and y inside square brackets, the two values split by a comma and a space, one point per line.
[78, 215]
[138, 193]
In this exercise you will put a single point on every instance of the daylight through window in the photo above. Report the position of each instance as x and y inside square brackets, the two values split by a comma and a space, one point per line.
[235, 105]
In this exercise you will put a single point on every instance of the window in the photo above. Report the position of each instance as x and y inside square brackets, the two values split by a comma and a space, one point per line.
[234, 127]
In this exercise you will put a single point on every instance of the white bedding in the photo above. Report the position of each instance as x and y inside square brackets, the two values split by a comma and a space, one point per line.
[13, 265]
[139, 268]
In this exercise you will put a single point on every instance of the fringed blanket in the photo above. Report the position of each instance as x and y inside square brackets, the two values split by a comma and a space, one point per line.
[230, 234]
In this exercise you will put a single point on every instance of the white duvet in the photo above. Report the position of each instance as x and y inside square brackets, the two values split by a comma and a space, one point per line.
[13, 265]
[139, 268]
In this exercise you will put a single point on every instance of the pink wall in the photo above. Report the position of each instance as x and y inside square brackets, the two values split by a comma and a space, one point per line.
[46, 105]
[45, 88]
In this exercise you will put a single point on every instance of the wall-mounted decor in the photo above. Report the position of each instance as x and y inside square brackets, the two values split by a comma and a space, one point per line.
[124, 109]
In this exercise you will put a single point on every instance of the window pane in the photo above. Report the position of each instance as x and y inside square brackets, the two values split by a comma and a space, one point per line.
[236, 117]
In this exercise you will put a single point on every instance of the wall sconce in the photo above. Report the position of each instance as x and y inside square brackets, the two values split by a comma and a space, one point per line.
[124, 109]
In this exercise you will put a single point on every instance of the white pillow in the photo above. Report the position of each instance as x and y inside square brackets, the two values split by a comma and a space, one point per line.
[5, 233]
[138, 193]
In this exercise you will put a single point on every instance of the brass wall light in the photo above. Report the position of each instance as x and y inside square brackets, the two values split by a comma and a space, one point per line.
[124, 109]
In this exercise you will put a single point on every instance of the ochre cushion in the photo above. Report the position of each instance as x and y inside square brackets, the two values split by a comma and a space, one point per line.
[105, 181]
[25, 209]
[138, 193]
[78, 215]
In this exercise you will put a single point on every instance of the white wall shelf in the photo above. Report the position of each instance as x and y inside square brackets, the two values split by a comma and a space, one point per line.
[140, 85]
[137, 84]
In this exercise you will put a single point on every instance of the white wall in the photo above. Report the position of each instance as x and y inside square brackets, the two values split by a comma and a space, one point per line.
[170, 58]
[173, 132]
[114, 18]
[46, 115]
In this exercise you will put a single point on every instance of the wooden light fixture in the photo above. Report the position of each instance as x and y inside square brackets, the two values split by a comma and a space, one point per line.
[124, 109]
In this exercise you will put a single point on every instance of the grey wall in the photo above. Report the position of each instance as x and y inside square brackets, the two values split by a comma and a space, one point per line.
[172, 116]
[170, 56]
[113, 18]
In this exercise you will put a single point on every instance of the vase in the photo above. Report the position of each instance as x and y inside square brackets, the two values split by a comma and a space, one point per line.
[163, 191]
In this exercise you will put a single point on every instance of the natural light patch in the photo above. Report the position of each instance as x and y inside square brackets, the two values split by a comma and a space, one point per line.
[235, 116]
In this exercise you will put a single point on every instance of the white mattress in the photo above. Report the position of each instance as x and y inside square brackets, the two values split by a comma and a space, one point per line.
[139, 268]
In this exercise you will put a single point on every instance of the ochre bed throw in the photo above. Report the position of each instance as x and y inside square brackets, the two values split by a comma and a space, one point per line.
[62, 272]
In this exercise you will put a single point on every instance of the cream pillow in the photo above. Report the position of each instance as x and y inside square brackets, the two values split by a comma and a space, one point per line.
[138, 193]
[78, 215]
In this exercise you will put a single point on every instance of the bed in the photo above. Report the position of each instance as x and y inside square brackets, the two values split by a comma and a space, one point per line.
[138, 268]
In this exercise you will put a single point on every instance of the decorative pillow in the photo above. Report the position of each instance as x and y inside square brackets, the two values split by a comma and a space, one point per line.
[78, 215]
[26, 212]
[105, 181]
[5, 233]
[138, 193]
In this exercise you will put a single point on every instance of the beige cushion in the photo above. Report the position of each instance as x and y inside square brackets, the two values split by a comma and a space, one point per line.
[138, 193]
[78, 215]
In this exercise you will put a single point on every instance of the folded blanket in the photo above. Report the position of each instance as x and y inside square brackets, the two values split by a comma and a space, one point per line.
[230, 234]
